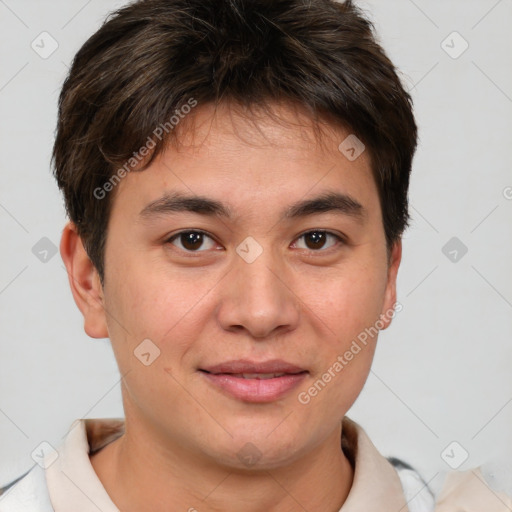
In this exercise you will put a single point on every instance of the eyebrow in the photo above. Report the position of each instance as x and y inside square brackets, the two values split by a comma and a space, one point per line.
[328, 202]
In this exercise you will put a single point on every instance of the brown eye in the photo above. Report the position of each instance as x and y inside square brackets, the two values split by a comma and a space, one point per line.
[315, 240]
[191, 241]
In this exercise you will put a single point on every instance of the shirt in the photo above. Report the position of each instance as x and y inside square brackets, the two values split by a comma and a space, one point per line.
[65, 480]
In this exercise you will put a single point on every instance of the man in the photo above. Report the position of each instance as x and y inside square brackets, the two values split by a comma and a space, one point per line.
[236, 178]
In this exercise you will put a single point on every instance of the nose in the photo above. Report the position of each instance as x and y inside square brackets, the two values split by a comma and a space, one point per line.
[258, 298]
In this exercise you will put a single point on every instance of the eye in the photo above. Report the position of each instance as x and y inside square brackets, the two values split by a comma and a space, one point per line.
[315, 240]
[192, 240]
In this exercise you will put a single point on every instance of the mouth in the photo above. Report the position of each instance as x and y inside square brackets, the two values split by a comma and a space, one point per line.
[258, 376]
[254, 381]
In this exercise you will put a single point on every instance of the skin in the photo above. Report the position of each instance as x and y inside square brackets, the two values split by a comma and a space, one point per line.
[294, 302]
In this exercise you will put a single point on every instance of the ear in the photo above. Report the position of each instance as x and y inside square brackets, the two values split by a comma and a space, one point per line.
[84, 282]
[388, 306]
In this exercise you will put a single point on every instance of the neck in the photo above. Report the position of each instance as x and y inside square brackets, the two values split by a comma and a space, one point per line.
[139, 475]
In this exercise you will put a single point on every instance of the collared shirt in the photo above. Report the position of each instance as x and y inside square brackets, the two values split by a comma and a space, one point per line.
[65, 479]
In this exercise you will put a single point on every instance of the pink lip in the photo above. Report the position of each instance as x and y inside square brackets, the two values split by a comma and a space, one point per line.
[224, 377]
[247, 366]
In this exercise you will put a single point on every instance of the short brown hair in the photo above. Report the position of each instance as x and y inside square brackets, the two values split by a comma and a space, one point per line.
[150, 57]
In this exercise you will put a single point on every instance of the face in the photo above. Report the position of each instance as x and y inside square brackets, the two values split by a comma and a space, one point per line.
[253, 309]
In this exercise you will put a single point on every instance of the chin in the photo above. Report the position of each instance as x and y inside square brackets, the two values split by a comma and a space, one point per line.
[252, 458]
[258, 451]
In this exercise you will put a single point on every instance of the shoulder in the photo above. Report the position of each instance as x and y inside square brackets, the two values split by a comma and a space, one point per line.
[28, 493]
[473, 490]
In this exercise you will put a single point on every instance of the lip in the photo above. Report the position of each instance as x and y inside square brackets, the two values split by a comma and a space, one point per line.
[247, 366]
[226, 377]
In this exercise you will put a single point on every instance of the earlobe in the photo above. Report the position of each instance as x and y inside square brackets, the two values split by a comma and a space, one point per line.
[388, 310]
[84, 282]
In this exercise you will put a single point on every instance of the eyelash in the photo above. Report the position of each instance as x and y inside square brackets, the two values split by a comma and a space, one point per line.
[200, 231]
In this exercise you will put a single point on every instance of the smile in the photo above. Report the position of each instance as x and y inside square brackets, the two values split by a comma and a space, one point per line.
[254, 382]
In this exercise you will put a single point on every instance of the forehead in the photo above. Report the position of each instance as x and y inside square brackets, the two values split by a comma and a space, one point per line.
[282, 125]
[256, 157]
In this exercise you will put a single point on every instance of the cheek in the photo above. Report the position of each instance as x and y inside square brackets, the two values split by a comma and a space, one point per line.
[351, 302]
[171, 309]
[150, 299]
[151, 332]
[349, 307]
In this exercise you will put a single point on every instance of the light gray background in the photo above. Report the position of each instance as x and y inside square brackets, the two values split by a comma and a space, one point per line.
[442, 372]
